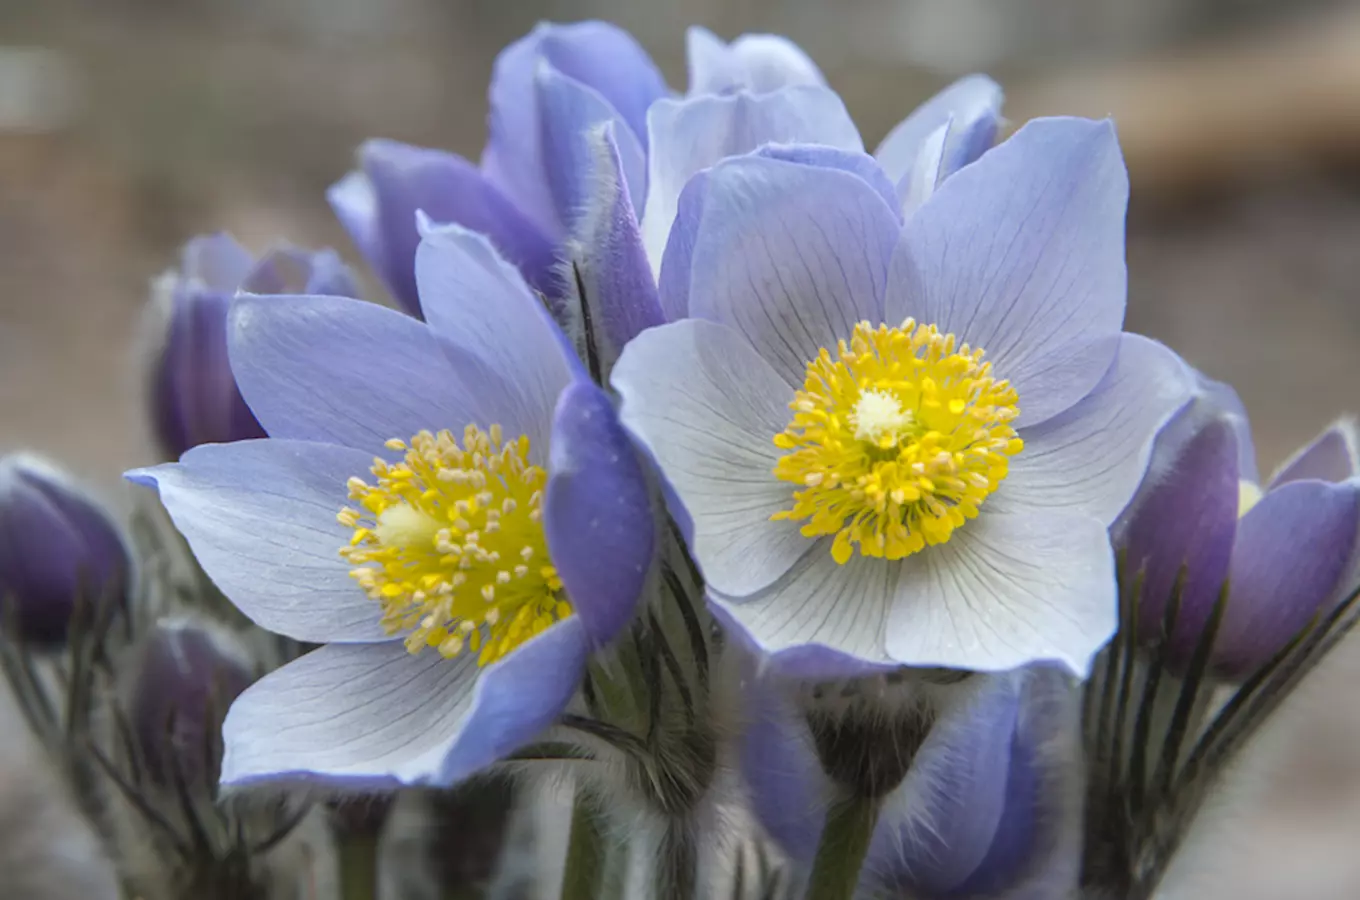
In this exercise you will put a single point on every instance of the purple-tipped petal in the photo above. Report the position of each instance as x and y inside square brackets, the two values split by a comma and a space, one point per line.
[687, 136]
[1331, 456]
[1005, 590]
[753, 62]
[569, 113]
[215, 262]
[1185, 514]
[290, 270]
[1022, 255]
[610, 262]
[596, 512]
[1092, 458]
[496, 332]
[596, 54]
[379, 208]
[260, 519]
[968, 110]
[517, 698]
[1292, 549]
[937, 827]
[707, 407]
[853, 161]
[359, 716]
[791, 256]
[346, 372]
[1224, 402]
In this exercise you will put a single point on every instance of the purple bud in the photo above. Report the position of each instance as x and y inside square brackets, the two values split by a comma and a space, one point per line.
[193, 394]
[57, 546]
[185, 679]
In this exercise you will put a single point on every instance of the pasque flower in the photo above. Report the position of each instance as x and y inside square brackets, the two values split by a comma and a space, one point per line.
[194, 397]
[905, 442]
[989, 805]
[1285, 547]
[451, 509]
[58, 548]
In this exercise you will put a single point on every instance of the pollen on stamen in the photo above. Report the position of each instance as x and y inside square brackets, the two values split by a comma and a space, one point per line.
[896, 441]
[428, 536]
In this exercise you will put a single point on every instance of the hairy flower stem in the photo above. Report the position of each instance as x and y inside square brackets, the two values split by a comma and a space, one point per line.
[359, 867]
[585, 853]
[676, 875]
[844, 843]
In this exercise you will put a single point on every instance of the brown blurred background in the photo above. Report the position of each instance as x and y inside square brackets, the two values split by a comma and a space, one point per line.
[128, 125]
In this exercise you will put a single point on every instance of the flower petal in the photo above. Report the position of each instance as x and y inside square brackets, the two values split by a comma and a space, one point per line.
[687, 136]
[1292, 549]
[569, 112]
[613, 297]
[915, 187]
[1092, 457]
[260, 519]
[290, 270]
[398, 179]
[969, 111]
[498, 331]
[216, 262]
[351, 715]
[791, 256]
[707, 407]
[597, 512]
[517, 698]
[938, 825]
[1220, 399]
[343, 371]
[1184, 515]
[753, 62]
[1006, 590]
[1022, 255]
[596, 54]
[1331, 456]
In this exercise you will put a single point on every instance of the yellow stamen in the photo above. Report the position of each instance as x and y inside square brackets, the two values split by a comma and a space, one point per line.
[896, 442]
[440, 540]
[1248, 495]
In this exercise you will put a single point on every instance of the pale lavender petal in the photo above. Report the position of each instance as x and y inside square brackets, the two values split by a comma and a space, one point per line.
[517, 698]
[1092, 457]
[1331, 456]
[937, 827]
[349, 715]
[290, 270]
[569, 113]
[791, 256]
[345, 372]
[596, 54]
[753, 62]
[1007, 589]
[687, 136]
[215, 262]
[620, 298]
[708, 407]
[597, 512]
[398, 179]
[1184, 515]
[969, 111]
[920, 182]
[497, 330]
[260, 519]
[1223, 400]
[1292, 549]
[1022, 254]
[853, 161]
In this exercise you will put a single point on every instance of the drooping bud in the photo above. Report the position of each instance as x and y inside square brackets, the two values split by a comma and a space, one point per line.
[186, 678]
[194, 397]
[58, 548]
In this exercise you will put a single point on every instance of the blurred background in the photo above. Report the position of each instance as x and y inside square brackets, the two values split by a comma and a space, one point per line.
[128, 125]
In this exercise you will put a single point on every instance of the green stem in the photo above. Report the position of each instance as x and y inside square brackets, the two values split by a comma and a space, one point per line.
[840, 855]
[585, 852]
[359, 867]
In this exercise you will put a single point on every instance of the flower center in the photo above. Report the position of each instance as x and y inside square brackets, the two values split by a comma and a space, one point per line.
[895, 442]
[450, 542]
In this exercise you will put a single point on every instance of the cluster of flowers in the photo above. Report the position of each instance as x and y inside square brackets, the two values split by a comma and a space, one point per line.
[742, 475]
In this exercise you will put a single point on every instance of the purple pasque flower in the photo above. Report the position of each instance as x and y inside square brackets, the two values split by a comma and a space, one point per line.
[906, 442]
[57, 547]
[194, 397]
[546, 88]
[451, 508]
[758, 63]
[989, 805]
[1286, 548]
